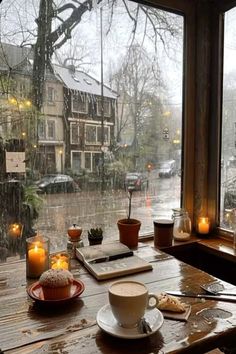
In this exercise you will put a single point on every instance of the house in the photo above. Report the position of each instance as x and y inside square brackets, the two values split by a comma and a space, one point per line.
[42, 132]
[70, 127]
[89, 132]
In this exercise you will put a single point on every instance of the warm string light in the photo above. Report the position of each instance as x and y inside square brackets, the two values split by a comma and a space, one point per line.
[21, 104]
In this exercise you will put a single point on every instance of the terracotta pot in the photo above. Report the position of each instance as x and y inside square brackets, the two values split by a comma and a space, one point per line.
[129, 231]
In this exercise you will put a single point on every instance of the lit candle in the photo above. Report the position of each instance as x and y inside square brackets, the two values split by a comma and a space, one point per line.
[181, 235]
[36, 261]
[15, 230]
[203, 225]
[60, 261]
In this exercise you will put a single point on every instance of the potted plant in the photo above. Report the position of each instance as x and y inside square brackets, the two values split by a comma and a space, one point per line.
[95, 236]
[129, 228]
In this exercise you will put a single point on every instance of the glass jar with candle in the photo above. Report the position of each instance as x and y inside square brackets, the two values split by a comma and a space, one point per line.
[182, 225]
[60, 260]
[37, 256]
[203, 225]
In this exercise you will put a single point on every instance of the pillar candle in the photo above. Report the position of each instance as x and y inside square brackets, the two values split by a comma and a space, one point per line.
[36, 261]
[203, 225]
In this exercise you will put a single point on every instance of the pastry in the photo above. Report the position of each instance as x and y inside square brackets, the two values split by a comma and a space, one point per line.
[170, 303]
[56, 284]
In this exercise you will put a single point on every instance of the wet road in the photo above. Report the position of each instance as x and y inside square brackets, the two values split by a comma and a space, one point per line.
[91, 209]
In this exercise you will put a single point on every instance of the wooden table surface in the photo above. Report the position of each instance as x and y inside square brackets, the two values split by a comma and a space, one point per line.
[28, 328]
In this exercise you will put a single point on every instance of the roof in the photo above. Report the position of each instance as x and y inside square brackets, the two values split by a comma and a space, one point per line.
[12, 56]
[79, 81]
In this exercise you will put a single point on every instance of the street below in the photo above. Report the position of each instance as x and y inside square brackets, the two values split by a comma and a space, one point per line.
[91, 209]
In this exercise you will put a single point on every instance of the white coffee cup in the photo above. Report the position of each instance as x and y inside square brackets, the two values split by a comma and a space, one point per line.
[129, 300]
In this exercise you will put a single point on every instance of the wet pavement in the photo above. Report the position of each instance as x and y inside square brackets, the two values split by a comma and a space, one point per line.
[91, 209]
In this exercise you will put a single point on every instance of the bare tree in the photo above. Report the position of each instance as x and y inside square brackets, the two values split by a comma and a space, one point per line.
[55, 26]
[136, 81]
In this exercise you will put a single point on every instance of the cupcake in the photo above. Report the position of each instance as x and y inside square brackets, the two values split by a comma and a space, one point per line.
[56, 284]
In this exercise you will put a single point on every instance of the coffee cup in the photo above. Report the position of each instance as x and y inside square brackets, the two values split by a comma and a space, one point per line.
[129, 300]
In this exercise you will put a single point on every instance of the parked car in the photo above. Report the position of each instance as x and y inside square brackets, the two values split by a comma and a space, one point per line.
[57, 183]
[167, 168]
[136, 181]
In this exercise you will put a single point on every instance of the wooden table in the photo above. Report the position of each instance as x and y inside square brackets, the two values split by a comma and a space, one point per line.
[27, 328]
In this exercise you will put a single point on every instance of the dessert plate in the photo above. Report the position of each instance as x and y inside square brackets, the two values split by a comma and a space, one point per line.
[36, 293]
[107, 322]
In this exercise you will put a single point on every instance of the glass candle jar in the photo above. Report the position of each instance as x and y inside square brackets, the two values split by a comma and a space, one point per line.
[60, 260]
[203, 225]
[37, 256]
[182, 226]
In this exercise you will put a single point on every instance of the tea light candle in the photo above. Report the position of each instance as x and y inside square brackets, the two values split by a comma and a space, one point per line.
[60, 261]
[181, 235]
[203, 225]
[36, 256]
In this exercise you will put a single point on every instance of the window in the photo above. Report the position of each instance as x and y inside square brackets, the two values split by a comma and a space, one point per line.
[106, 107]
[50, 95]
[143, 114]
[106, 135]
[47, 130]
[92, 161]
[51, 129]
[94, 134]
[74, 133]
[41, 130]
[228, 144]
[79, 103]
[76, 161]
[91, 134]
[22, 89]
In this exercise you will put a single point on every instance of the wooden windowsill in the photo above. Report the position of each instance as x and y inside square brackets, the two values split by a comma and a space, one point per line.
[212, 244]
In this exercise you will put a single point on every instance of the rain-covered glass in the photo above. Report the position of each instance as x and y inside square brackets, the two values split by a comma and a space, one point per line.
[228, 143]
[83, 107]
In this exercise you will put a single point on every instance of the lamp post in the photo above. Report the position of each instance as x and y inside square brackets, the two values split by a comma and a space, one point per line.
[61, 154]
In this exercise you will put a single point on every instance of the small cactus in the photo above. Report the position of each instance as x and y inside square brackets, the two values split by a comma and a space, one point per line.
[95, 233]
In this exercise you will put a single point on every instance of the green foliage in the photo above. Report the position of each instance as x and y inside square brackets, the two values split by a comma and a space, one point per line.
[32, 199]
[95, 233]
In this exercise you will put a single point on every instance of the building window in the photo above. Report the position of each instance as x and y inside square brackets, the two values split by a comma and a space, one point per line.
[76, 161]
[22, 90]
[90, 134]
[94, 134]
[74, 133]
[92, 161]
[47, 130]
[41, 130]
[51, 129]
[79, 103]
[106, 105]
[106, 135]
[50, 95]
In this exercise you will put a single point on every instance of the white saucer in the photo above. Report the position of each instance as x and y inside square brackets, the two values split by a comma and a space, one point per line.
[107, 322]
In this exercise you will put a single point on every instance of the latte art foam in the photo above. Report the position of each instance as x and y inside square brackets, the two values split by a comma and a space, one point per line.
[128, 289]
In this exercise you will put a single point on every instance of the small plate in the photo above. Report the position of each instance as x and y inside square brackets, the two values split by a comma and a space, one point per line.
[107, 322]
[36, 293]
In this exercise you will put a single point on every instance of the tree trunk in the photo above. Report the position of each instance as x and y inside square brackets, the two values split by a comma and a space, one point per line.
[42, 52]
